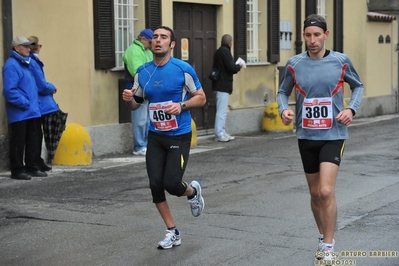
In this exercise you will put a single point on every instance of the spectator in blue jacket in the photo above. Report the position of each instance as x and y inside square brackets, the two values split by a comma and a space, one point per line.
[47, 104]
[22, 107]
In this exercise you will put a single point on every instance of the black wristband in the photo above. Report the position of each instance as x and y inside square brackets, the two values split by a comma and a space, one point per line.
[353, 111]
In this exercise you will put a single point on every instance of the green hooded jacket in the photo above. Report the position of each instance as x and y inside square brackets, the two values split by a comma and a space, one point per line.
[135, 56]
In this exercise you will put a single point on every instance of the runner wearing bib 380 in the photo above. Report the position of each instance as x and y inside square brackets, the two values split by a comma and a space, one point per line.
[317, 76]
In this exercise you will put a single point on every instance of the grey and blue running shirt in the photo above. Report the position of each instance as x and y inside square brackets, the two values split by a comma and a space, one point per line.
[320, 79]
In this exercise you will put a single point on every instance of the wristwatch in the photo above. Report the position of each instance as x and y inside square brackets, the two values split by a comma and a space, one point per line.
[183, 106]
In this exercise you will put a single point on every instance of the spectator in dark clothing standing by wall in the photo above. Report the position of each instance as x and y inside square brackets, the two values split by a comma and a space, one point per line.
[21, 95]
[223, 86]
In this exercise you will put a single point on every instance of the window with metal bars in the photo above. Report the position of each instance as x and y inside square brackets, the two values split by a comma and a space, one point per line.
[124, 19]
[253, 24]
[114, 23]
[257, 31]
[321, 8]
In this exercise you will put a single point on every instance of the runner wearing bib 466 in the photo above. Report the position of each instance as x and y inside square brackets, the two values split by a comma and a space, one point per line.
[171, 87]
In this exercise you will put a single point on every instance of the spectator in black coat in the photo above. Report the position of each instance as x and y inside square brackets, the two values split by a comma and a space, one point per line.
[223, 86]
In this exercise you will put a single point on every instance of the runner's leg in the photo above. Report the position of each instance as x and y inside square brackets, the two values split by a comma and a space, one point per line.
[315, 203]
[328, 176]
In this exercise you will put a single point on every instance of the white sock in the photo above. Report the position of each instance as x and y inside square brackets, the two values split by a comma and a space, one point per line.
[329, 246]
[321, 237]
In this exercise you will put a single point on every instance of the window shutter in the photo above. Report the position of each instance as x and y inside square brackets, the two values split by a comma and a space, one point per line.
[298, 27]
[153, 18]
[104, 36]
[310, 7]
[338, 26]
[273, 36]
[240, 29]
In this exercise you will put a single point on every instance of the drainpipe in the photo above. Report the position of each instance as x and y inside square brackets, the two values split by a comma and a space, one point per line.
[6, 9]
[7, 27]
[397, 79]
[298, 27]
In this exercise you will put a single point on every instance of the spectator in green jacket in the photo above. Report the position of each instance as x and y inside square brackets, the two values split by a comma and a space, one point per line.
[137, 54]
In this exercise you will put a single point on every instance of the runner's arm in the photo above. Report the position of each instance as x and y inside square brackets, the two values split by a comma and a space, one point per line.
[352, 78]
[285, 90]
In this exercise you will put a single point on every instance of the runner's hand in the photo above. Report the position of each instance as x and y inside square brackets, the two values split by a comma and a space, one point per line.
[287, 116]
[127, 94]
[345, 117]
[173, 109]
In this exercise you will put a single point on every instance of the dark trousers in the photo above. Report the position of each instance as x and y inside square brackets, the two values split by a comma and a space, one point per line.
[23, 142]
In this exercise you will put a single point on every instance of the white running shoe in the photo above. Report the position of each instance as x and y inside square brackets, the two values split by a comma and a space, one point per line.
[141, 152]
[230, 136]
[223, 138]
[328, 259]
[326, 256]
[197, 203]
[320, 248]
[171, 239]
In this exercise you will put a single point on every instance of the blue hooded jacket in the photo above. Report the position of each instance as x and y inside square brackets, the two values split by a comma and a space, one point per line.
[47, 103]
[20, 90]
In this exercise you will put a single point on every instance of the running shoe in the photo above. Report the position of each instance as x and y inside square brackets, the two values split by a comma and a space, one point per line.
[171, 239]
[223, 138]
[329, 258]
[320, 248]
[326, 256]
[197, 203]
[141, 152]
[230, 136]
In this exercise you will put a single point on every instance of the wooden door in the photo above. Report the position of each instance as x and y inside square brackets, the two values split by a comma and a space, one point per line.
[195, 30]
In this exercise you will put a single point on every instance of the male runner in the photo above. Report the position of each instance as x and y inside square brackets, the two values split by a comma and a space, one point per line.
[167, 82]
[318, 77]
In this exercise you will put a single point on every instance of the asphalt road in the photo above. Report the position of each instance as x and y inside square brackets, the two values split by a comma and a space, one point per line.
[257, 207]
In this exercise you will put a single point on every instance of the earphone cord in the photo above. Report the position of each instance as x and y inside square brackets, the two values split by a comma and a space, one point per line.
[163, 58]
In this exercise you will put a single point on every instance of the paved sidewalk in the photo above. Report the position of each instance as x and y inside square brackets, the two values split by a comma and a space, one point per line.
[117, 160]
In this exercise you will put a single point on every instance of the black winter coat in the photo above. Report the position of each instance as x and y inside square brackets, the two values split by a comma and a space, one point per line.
[223, 61]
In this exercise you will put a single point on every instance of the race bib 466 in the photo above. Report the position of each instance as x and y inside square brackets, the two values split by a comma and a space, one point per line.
[159, 118]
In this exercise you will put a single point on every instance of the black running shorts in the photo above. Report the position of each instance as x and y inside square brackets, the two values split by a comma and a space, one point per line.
[314, 152]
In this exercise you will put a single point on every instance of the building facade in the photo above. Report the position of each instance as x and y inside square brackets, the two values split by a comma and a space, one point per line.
[83, 43]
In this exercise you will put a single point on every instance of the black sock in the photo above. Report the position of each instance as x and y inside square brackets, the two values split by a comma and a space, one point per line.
[177, 232]
[193, 195]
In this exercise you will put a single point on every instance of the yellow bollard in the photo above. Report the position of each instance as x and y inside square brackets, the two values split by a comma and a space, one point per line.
[272, 121]
[194, 134]
[74, 147]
